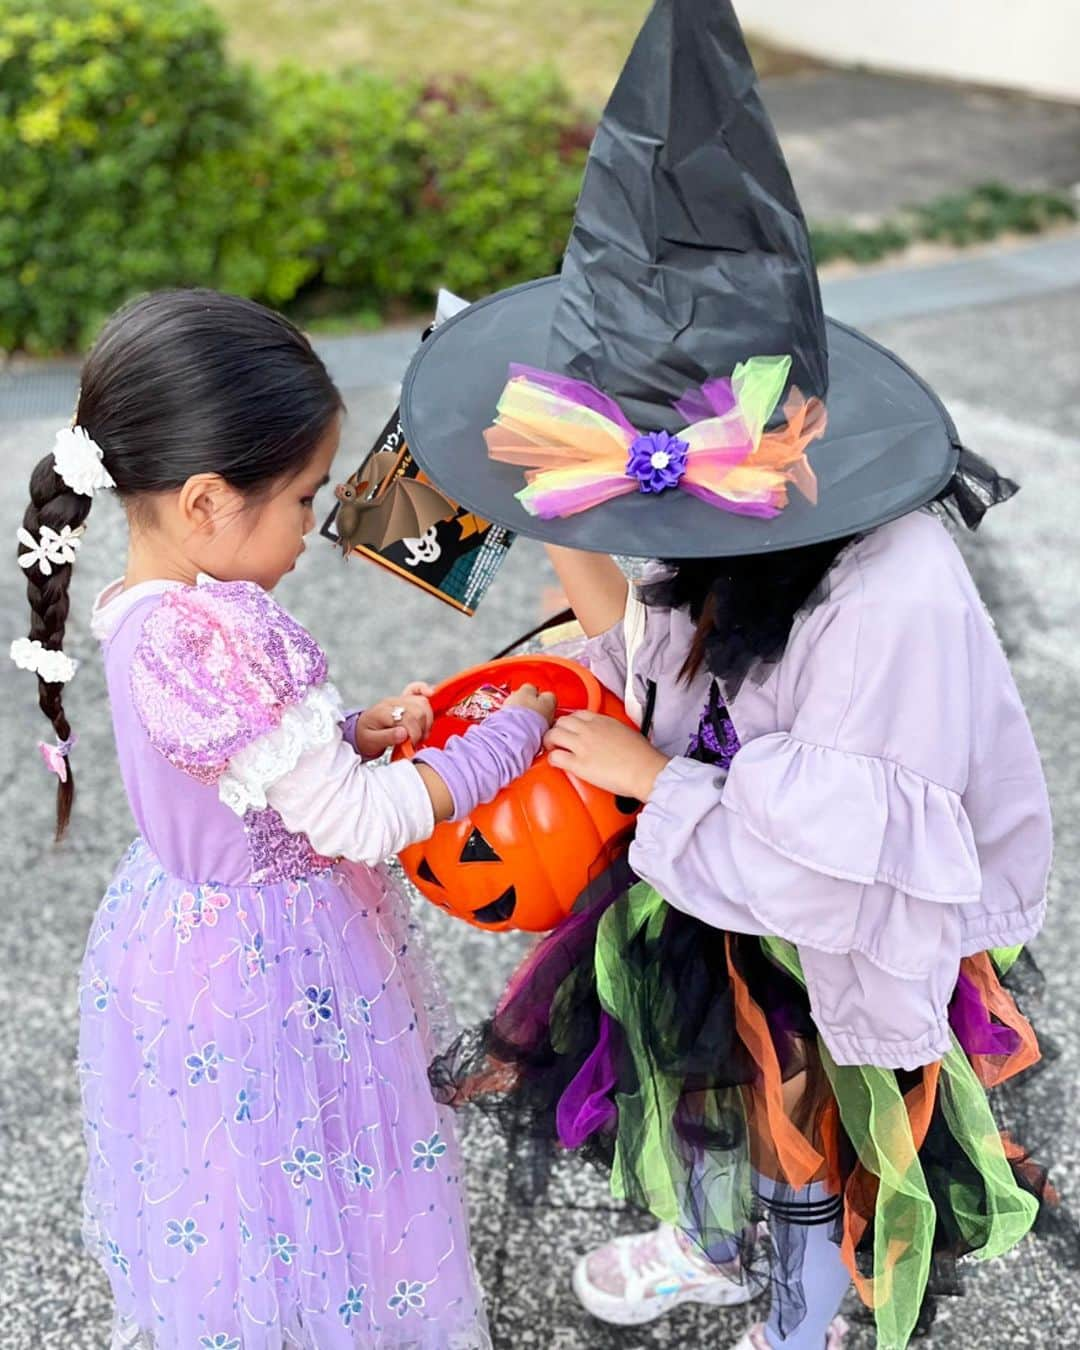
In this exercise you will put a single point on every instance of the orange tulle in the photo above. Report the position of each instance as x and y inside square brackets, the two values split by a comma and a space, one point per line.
[784, 450]
[798, 1161]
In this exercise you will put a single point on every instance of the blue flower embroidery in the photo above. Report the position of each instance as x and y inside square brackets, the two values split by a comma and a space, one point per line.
[426, 1153]
[354, 1172]
[354, 1303]
[245, 1231]
[184, 1234]
[222, 1341]
[283, 1249]
[118, 1258]
[204, 1066]
[339, 1045]
[318, 1006]
[408, 1294]
[244, 1099]
[118, 891]
[303, 1164]
[255, 956]
[144, 1169]
[100, 986]
[361, 1010]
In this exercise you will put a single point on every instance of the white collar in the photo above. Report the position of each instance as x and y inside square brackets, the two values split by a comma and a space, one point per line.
[114, 601]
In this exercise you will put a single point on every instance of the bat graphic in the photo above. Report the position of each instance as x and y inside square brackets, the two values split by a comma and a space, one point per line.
[379, 506]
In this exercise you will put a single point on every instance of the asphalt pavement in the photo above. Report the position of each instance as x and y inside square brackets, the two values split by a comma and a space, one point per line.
[1001, 349]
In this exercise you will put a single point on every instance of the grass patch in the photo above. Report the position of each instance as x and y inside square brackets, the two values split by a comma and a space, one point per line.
[585, 40]
[959, 219]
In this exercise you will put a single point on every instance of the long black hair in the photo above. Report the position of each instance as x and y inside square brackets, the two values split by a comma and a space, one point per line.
[744, 607]
[179, 383]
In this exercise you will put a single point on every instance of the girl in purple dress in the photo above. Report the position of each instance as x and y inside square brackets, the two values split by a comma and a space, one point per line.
[267, 1166]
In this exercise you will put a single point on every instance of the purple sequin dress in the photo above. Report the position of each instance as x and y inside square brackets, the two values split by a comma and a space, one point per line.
[267, 1166]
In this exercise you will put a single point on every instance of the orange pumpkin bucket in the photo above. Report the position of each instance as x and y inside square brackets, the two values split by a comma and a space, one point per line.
[522, 860]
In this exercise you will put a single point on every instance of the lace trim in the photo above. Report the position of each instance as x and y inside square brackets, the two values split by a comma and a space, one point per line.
[307, 725]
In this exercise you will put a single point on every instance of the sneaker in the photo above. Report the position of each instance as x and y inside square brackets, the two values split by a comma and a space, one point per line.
[631, 1280]
[754, 1339]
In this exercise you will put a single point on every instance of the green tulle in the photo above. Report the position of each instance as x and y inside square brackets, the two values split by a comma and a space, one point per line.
[758, 385]
[1010, 1211]
[707, 1193]
[1004, 958]
[992, 1218]
[643, 1143]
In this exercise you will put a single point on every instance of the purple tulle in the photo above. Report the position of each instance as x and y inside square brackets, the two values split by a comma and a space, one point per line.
[715, 398]
[586, 1105]
[977, 1034]
[266, 1164]
[578, 391]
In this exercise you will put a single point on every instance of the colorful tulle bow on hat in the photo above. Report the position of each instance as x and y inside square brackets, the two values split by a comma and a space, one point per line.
[578, 450]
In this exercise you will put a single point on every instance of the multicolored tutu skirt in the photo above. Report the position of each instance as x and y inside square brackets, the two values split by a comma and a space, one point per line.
[685, 1059]
[267, 1165]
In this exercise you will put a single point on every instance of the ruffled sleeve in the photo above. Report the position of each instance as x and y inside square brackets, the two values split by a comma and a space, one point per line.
[855, 817]
[219, 667]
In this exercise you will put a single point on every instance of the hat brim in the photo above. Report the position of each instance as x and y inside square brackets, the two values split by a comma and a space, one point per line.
[890, 445]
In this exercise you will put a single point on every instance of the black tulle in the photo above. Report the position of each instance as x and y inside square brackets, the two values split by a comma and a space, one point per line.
[974, 488]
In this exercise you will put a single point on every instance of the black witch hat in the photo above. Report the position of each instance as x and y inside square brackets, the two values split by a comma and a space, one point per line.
[689, 256]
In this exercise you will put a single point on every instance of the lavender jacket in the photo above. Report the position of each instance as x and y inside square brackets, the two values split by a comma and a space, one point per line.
[887, 812]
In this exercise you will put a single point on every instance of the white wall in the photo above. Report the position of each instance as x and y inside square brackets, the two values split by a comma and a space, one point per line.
[1021, 44]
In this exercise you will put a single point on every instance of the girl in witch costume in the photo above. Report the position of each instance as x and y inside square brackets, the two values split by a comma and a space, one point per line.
[798, 1008]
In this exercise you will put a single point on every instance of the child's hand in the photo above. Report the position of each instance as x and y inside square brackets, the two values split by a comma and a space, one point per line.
[394, 720]
[605, 753]
[528, 696]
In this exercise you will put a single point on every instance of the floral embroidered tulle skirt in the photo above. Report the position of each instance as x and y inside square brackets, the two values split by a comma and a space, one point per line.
[267, 1167]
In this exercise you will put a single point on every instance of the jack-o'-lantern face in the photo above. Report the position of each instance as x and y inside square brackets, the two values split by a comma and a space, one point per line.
[522, 860]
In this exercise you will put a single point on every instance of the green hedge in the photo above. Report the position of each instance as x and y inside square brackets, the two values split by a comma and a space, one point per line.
[106, 111]
[134, 154]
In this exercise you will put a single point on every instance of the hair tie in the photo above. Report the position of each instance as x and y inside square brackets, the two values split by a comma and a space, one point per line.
[49, 664]
[52, 548]
[55, 756]
[79, 461]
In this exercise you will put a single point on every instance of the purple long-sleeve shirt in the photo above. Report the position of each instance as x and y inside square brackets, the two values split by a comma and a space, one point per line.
[887, 812]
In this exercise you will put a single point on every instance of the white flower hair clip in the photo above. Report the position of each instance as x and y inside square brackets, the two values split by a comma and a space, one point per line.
[54, 667]
[52, 548]
[79, 461]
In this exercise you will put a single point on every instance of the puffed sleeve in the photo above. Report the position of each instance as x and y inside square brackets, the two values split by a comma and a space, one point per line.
[233, 691]
[220, 665]
[847, 833]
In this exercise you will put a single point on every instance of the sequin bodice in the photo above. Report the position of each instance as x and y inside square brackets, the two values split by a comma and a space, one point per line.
[193, 675]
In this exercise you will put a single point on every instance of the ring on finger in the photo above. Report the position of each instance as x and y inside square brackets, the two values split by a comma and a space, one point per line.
[396, 714]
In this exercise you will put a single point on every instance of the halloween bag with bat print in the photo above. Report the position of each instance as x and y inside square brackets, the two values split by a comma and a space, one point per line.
[390, 512]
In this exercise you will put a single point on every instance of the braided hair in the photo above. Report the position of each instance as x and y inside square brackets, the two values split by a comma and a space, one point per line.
[52, 505]
[179, 383]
